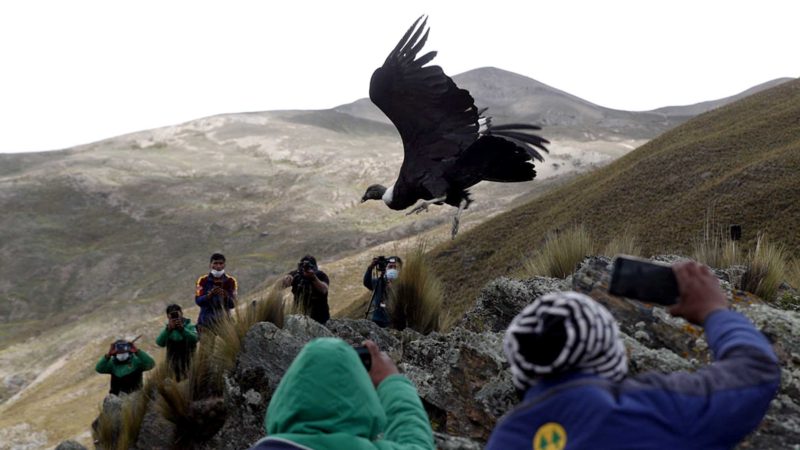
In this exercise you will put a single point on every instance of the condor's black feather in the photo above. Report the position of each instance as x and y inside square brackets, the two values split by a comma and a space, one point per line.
[445, 150]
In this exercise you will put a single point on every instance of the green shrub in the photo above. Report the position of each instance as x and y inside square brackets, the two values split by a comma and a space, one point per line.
[561, 253]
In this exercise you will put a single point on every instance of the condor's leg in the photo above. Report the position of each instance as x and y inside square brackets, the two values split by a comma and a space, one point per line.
[457, 218]
[423, 205]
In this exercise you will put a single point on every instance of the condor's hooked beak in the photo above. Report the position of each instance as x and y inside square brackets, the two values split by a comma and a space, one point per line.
[364, 198]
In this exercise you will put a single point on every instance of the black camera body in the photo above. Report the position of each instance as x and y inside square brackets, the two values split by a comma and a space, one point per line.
[381, 263]
[305, 265]
[174, 315]
[122, 347]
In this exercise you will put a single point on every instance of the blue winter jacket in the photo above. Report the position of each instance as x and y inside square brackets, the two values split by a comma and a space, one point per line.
[713, 408]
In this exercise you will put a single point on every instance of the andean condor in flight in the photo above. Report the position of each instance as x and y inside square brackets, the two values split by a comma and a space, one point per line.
[448, 145]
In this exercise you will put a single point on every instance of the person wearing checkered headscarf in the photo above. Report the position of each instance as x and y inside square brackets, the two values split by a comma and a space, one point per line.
[566, 355]
[560, 332]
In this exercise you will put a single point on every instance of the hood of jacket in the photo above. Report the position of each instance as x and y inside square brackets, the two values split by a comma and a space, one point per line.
[326, 399]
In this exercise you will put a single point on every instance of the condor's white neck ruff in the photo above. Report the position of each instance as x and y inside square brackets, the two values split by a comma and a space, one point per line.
[387, 196]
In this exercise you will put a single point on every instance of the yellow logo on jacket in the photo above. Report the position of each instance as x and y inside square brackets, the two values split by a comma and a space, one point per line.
[550, 436]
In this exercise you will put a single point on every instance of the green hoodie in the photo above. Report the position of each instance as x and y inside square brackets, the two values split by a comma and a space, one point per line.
[326, 400]
[138, 361]
[188, 334]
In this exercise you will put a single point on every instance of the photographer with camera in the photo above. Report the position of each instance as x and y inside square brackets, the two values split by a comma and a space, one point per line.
[333, 396]
[565, 353]
[126, 364]
[179, 336]
[215, 293]
[378, 278]
[309, 289]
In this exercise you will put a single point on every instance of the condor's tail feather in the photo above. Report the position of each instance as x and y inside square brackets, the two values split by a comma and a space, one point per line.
[492, 158]
[520, 134]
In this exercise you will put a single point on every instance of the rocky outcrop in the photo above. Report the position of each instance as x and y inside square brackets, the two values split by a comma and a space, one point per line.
[463, 378]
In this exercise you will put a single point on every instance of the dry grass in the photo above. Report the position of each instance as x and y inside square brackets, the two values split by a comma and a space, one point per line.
[561, 253]
[715, 247]
[766, 269]
[416, 296]
[623, 244]
[793, 273]
[230, 331]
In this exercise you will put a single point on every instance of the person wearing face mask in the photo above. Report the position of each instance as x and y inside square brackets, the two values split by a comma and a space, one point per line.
[378, 278]
[215, 293]
[309, 289]
[126, 364]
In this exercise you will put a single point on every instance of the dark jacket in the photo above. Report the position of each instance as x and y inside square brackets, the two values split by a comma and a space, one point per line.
[126, 377]
[713, 408]
[214, 306]
[326, 401]
[310, 301]
[380, 295]
[180, 344]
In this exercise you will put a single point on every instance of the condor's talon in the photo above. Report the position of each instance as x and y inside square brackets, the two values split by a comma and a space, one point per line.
[420, 208]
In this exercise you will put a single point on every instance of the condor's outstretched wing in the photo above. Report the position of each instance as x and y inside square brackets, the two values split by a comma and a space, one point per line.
[435, 118]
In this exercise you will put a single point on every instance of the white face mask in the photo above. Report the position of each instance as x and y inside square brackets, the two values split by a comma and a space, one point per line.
[217, 273]
[392, 274]
[122, 357]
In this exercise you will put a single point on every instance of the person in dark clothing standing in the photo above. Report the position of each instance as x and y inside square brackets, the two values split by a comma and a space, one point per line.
[179, 336]
[310, 289]
[215, 293]
[126, 364]
[378, 278]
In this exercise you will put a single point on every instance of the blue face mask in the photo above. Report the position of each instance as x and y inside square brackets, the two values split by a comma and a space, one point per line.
[392, 274]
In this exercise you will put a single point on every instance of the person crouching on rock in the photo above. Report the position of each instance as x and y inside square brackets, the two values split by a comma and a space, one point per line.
[126, 364]
[180, 337]
[566, 353]
[328, 400]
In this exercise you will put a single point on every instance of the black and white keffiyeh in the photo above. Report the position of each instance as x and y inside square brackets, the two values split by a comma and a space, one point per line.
[561, 332]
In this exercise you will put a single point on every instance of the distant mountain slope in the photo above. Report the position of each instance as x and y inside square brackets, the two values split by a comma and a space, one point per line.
[699, 108]
[513, 97]
[740, 160]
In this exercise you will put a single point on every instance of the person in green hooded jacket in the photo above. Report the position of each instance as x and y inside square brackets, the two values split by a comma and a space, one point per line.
[179, 336]
[327, 400]
[126, 364]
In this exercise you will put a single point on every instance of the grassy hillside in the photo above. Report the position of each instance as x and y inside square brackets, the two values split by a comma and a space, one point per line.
[741, 161]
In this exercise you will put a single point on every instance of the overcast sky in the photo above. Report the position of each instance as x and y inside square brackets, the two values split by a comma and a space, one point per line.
[77, 71]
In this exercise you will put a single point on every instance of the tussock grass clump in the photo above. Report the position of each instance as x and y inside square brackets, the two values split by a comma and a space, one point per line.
[416, 296]
[715, 248]
[793, 273]
[230, 331]
[765, 269]
[624, 244]
[561, 253]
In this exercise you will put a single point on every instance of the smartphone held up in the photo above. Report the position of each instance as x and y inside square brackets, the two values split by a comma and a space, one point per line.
[643, 280]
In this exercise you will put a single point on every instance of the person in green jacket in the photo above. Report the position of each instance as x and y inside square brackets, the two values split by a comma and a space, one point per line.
[126, 364]
[327, 400]
[179, 336]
